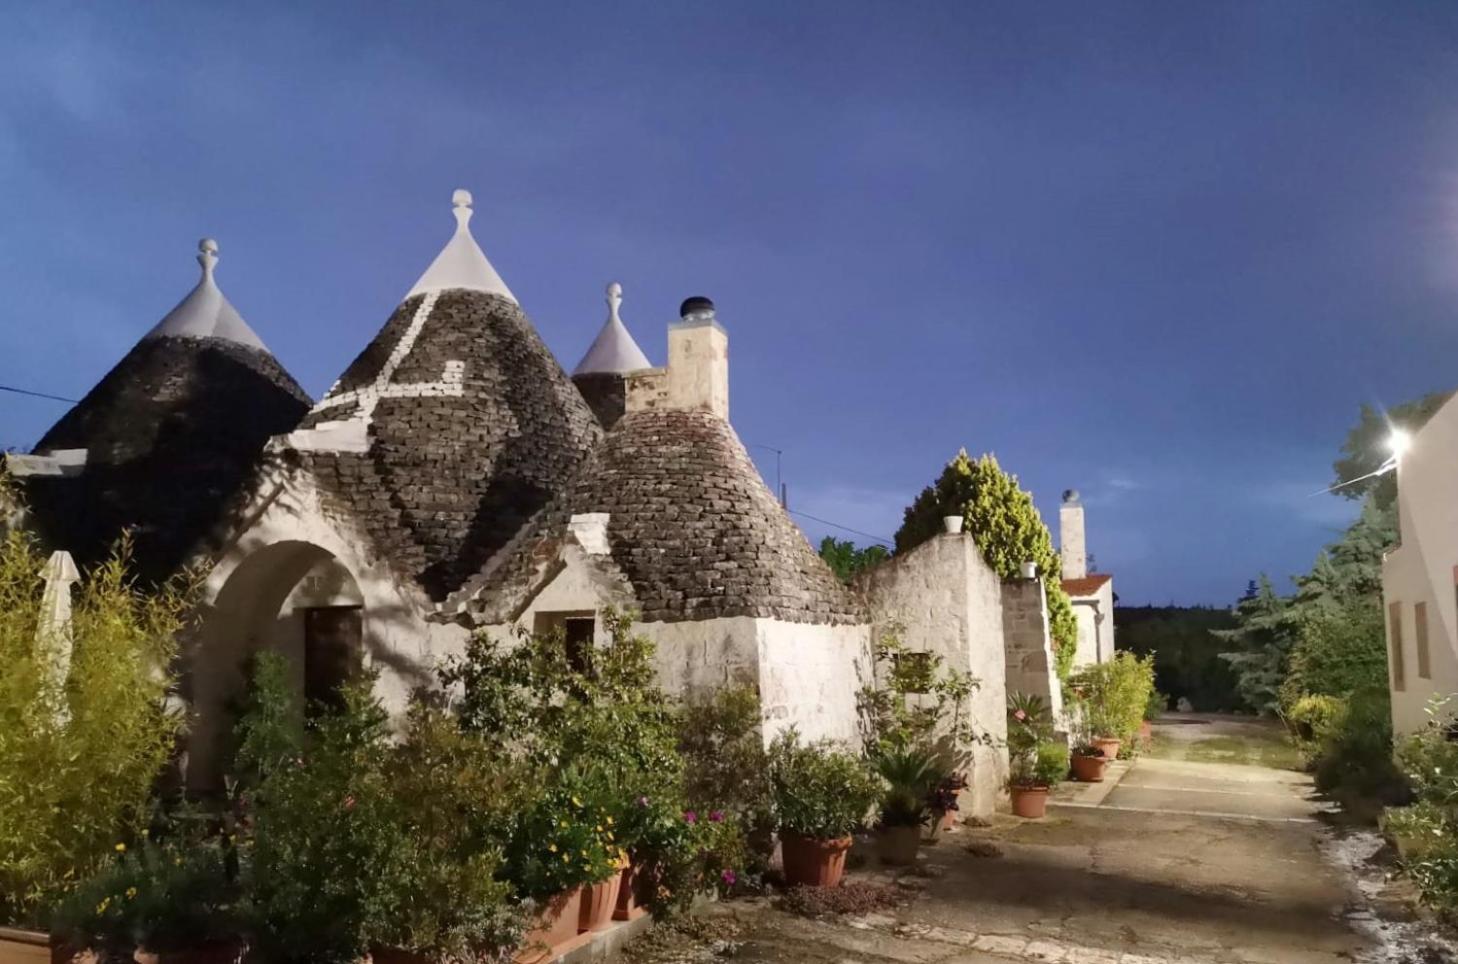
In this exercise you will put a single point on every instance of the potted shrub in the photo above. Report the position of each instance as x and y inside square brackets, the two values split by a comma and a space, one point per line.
[1089, 763]
[1035, 761]
[822, 794]
[1114, 697]
[910, 774]
[1153, 707]
[558, 849]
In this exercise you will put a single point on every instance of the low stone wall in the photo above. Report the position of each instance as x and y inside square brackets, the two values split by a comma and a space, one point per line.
[1030, 664]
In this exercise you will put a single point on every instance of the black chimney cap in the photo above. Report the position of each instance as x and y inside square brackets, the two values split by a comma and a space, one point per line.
[697, 305]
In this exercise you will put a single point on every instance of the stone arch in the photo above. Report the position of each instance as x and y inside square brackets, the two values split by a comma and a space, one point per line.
[259, 603]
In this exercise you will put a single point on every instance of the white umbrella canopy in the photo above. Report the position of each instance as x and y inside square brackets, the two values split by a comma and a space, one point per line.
[53, 632]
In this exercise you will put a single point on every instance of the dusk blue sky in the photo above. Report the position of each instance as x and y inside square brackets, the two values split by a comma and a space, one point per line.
[1159, 252]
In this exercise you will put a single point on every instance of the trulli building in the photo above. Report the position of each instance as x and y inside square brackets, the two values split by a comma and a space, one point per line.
[455, 479]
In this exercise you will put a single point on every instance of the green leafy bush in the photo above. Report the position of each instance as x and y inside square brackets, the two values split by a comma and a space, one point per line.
[156, 896]
[1337, 651]
[79, 751]
[916, 700]
[560, 843]
[726, 767]
[1006, 526]
[1311, 720]
[1114, 695]
[1355, 754]
[351, 840]
[820, 790]
[1051, 765]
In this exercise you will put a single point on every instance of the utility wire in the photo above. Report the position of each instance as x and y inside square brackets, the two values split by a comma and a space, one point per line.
[885, 542]
[22, 391]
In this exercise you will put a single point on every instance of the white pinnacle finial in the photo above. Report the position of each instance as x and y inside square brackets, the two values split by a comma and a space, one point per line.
[207, 255]
[614, 300]
[461, 203]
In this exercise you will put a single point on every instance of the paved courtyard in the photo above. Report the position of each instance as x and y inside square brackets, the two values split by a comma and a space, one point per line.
[1181, 860]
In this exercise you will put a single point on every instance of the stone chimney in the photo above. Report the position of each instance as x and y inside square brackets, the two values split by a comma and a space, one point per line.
[697, 376]
[1070, 536]
[698, 360]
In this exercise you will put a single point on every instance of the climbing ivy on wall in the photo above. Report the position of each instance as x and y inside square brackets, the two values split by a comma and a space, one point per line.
[1006, 526]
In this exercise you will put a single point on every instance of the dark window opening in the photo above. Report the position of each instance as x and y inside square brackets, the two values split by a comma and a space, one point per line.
[332, 643]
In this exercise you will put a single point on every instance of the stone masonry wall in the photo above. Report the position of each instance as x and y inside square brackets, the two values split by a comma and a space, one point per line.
[945, 599]
[1030, 665]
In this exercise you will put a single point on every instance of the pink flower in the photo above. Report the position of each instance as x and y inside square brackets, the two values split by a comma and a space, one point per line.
[728, 877]
[1020, 716]
[690, 817]
[349, 802]
[716, 816]
[642, 801]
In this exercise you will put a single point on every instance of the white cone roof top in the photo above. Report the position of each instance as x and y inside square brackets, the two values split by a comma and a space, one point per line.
[205, 313]
[461, 263]
[614, 351]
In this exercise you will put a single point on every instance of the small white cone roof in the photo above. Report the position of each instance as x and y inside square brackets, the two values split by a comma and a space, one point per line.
[461, 263]
[614, 350]
[205, 313]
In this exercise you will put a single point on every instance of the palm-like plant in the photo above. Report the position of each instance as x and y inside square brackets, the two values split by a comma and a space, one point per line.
[910, 773]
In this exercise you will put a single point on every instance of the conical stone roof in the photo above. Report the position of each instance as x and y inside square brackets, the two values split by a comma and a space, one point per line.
[691, 526]
[170, 434]
[613, 351]
[462, 423]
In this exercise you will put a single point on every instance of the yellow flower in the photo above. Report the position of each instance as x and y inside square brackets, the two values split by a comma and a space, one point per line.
[610, 837]
[599, 828]
[121, 848]
[566, 859]
[610, 821]
[552, 847]
[563, 824]
[101, 907]
[576, 802]
[131, 892]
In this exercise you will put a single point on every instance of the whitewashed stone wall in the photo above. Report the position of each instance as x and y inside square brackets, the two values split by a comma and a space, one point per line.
[292, 552]
[946, 600]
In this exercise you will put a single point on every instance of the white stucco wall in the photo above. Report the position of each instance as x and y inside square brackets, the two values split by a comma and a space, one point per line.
[807, 675]
[1422, 569]
[252, 600]
[1095, 614]
[946, 600]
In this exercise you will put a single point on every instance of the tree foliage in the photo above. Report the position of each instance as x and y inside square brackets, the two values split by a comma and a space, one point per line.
[1006, 525]
[1186, 651]
[846, 559]
[79, 751]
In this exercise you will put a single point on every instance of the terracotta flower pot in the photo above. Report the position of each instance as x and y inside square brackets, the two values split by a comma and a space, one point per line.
[1146, 732]
[1089, 769]
[898, 846]
[812, 862]
[941, 822]
[1030, 802]
[629, 905]
[599, 900]
[1108, 746]
[33, 947]
[553, 924]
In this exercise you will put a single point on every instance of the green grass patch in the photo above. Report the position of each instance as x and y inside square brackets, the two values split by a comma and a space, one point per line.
[1255, 746]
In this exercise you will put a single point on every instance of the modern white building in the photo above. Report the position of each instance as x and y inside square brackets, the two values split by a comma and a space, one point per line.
[1420, 575]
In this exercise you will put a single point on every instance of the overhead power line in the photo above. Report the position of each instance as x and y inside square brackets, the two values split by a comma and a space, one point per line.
[888, 543]
[24, 391]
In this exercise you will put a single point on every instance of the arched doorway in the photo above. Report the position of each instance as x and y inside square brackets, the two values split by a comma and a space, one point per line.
[291, 597]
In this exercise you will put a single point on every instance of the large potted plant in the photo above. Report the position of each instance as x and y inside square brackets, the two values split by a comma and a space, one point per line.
[822, 794]
[1035, 761]
[909, 773]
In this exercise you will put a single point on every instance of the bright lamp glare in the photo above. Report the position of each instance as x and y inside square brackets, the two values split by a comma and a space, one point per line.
[1399, 442]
